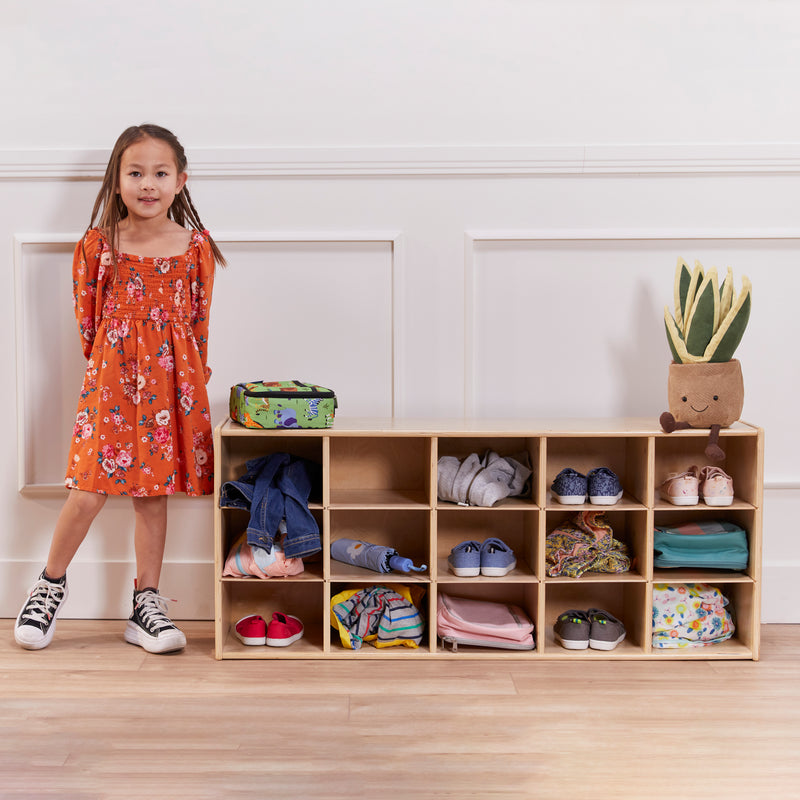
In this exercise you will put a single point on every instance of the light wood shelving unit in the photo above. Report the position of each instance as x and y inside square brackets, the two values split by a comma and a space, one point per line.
[380, 484]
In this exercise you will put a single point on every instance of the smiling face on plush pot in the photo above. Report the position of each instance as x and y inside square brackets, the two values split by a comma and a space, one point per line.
[706, 394]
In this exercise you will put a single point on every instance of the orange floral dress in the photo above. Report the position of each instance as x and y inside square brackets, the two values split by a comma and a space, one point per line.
[143, 426]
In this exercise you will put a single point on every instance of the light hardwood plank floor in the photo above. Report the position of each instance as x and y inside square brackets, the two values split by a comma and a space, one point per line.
[92, 717]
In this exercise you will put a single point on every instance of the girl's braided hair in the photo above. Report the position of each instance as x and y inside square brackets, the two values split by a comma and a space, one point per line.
[108, 207]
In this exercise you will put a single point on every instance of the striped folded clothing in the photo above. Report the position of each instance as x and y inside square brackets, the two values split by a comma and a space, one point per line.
[245, 560]
[377, 615]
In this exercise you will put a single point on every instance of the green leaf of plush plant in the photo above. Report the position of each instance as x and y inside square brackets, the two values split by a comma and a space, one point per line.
[704, 316]
[691, 291]
[726, 294]
[725, 341]
[676, 344]
[683, 277]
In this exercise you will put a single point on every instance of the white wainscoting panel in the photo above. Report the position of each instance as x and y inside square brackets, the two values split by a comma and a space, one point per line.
[565, 323]
[322, 307]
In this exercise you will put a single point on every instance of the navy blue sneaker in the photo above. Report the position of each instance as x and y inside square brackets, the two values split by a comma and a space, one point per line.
[569, 487]
[604, 487]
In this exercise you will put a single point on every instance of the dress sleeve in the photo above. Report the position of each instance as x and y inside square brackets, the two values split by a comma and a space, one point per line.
[90, 264]
[201, 289]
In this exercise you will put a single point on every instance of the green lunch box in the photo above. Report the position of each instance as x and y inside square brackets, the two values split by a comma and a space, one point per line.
[282, 404]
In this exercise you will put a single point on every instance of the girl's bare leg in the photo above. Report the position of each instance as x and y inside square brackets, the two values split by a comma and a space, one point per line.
[150, 535]
[73, 524]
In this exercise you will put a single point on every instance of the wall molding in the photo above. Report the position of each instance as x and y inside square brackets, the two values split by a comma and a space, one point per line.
[577, 159]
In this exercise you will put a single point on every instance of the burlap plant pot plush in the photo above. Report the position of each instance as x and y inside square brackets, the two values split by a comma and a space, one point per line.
[706, 394]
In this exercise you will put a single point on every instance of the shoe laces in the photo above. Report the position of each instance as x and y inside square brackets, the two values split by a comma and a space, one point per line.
[707, 473]
[152, 608]
[692, 472]
[44, 600]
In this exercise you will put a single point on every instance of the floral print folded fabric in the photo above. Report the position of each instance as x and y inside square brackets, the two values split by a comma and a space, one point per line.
[690, 615]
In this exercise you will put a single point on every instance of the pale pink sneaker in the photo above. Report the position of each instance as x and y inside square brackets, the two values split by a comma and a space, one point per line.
[716, 487]
[682, 489]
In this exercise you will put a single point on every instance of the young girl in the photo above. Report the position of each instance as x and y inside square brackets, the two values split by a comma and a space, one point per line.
[142, 284]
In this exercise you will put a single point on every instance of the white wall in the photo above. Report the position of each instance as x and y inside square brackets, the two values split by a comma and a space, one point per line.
[462, 192]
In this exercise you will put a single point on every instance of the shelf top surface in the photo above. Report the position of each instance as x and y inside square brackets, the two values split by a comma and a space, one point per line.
[398, 426]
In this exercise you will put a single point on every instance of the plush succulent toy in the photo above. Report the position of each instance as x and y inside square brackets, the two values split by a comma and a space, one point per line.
[705, 381]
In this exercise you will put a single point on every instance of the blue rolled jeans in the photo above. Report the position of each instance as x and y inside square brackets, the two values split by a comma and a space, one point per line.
[276, 487]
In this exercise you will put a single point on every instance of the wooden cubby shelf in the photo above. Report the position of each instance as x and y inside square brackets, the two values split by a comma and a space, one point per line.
[379, 484]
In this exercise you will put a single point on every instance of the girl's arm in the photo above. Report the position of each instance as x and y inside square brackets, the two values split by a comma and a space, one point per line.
[88, 276]
[202, 287]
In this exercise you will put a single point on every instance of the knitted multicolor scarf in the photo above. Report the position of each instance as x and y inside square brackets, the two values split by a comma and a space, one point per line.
[585, 544]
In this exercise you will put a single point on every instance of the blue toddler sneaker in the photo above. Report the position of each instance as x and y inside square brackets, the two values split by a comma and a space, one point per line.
[604, 487]
[465, 559]
[497, 558]
[569, 487]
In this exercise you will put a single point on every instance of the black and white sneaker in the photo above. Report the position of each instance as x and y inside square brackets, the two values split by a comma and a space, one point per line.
[150, 627]
[36, 622]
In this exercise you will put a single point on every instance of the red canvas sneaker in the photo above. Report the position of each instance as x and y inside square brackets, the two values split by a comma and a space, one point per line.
[251, 630]
[283, 630]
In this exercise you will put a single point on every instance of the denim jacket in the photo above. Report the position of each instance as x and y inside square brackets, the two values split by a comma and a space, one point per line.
[276, 487]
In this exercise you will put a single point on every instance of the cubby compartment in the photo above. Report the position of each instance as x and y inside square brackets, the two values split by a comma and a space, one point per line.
[677, 452]
[233, 453]
[626, 600]
[524, 449]
[407, 531]
[302, 597]
[746, 518]
[523, 595]
[744, 608]
[626, 456]
[233, 523]
[420, 598]
[380, 471]
[629, 527]
[517, 528]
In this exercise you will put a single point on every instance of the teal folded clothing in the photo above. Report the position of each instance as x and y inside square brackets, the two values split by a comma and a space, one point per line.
[710, 544]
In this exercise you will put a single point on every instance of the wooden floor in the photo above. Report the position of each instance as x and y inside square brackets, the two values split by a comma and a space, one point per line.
[93, 717]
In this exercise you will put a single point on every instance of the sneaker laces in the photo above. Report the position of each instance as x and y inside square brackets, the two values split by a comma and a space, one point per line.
[713, 472]
[152, 608]
[692, 472]
[44, 599]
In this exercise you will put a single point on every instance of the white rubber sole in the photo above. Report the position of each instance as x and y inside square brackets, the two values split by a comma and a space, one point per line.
[596, 644]
[165, 642]
[571, 644]
[685, 500]
[718, 501]
[605, 499]
[29, 637]
[498, 572]
[570, 499]
[250, 640]
[465, 572]
[284, 642]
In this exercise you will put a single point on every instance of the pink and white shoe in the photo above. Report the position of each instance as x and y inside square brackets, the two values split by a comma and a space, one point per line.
[682, 489]
[283, 630]
[716, 487]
